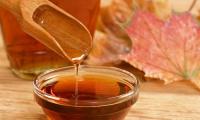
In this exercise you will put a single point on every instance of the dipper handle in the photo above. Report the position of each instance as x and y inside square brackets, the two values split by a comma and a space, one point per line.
[11, 5]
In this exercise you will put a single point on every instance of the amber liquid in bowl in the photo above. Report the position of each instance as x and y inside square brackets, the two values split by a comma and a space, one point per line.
[91, 88]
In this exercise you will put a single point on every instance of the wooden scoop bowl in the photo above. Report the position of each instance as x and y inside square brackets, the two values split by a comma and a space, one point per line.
[24, 11]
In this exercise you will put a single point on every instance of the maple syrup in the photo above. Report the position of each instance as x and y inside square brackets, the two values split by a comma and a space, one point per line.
[103, 93]
[27, 56]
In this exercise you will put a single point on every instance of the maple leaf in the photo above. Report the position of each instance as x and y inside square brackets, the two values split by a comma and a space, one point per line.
[168, 50]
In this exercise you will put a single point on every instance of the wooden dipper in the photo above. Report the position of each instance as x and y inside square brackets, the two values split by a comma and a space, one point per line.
[79, 36]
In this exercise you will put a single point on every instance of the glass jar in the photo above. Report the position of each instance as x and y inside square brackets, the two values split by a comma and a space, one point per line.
[27, 56]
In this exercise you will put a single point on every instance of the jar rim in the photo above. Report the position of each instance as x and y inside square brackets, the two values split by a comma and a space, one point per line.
[133, 93]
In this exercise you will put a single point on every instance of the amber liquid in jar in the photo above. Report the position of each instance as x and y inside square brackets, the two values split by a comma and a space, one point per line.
[91, 87]
[27, 56]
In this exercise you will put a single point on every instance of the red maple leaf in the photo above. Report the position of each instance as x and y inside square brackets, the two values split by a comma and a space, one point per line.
[168, 50]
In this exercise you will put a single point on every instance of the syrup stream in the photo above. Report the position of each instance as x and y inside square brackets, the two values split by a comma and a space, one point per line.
[76, 65]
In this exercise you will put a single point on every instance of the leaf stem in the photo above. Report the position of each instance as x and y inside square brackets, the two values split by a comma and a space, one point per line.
[192, 5]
